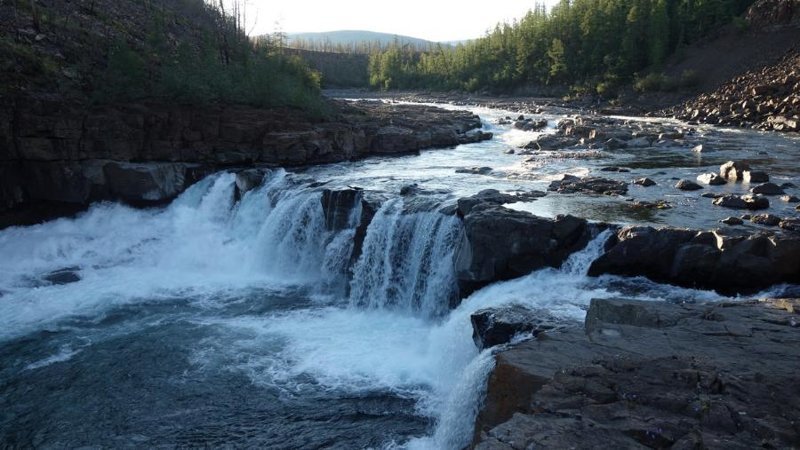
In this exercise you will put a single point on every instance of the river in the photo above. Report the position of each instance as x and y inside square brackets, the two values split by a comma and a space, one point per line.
[247, 323]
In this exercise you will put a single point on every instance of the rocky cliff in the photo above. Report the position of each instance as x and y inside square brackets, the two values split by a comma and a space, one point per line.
[147, 153]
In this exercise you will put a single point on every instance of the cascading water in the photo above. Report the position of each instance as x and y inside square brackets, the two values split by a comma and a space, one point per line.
[205, 320]
[407, 262]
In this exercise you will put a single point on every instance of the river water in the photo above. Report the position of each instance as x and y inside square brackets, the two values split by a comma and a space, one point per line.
[247, 323]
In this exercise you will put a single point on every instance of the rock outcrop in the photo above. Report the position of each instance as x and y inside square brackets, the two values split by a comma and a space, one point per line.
[501, 244]
[726, 261]
[148, 153]
[651, 375]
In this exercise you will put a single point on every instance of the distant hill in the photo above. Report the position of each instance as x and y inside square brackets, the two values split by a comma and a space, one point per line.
[350, 37]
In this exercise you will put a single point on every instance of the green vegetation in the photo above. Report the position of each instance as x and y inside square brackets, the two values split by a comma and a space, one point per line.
[591, 45]
[111, 51]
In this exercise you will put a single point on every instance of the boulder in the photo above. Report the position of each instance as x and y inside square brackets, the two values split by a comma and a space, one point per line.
[489, 197]
[732, 221]
[645, 182]
[497, 326]
[790, 199]
[768, 189]
[686, 185]
[733, 171]
[501, 243]
[247, 180]
[475, 170]
[570, 184]
[752, 202]
[66, 275]
[711, 179]
[769, 220]
[730, 262]
[752, 176]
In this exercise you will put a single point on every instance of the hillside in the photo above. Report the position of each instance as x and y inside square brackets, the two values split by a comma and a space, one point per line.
[347, 38]
[102, 51]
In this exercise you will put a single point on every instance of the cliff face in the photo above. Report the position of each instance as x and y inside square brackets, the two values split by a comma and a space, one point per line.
[148, 153]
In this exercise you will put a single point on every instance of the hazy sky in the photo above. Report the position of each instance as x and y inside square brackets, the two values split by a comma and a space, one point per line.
[435, 20]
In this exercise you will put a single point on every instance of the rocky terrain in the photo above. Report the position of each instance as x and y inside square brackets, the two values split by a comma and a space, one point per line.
[646, 375]
[765, 99]
[148, 153]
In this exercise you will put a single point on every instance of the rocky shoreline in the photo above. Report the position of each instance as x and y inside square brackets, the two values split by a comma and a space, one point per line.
[61, 157]
[650, 375]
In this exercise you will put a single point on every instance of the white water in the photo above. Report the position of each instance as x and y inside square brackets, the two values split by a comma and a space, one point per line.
[393, 333]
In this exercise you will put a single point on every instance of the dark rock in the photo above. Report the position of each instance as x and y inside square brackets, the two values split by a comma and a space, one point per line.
[645, 182]
[493, 197]
[789, 186]
[340, 208]
[732, 221]
[790, 199]
[592, 185]
[249, 179]
[614, 144]
[752, 176]
[63, 276]
[753, 202]
[766, 219]
[409, 189]
[768, 189]
[650, 375]
[497, 326]
[551, 142]
[615, 169]
[711, 179]
[475, 170]
[791, 224]
[733, 170]
[686, 185]
[502, 243]
[727, 263]
[145, 182]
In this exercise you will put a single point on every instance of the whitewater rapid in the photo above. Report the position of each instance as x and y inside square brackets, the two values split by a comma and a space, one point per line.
[259, 287]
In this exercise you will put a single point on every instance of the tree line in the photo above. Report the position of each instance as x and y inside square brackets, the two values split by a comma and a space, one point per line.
[586, 44]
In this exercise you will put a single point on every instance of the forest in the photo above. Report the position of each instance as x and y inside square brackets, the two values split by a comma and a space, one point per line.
[589, 45]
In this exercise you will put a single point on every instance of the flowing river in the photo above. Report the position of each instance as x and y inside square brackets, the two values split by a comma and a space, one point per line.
[218, 321]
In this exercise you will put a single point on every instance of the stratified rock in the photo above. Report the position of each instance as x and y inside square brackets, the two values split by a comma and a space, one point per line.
[497, 326]
[733, 171]
[645, 182]
[145, 182]
[752, 176]
[686, 185]
[651, 375]
[711, 179]
[570, 184]
[768, 189]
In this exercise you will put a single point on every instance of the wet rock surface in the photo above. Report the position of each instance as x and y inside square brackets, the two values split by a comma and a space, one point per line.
[570, 184]
[502, 243]
[651, 375]
[497, 326]
[728, 262]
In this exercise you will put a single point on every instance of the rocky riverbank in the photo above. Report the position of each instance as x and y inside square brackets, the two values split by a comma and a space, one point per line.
[66, 156]
[649, 375]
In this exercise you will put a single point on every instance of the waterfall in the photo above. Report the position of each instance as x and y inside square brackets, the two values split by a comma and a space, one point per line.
[406, 263]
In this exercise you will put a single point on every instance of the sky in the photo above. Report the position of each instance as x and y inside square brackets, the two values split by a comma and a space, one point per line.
[434, 20]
